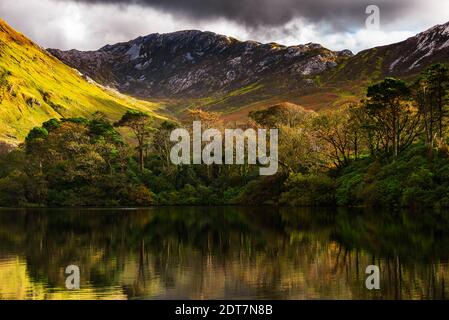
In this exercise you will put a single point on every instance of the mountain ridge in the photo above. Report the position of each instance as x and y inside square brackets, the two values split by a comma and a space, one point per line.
[192, 68]
[193, 63]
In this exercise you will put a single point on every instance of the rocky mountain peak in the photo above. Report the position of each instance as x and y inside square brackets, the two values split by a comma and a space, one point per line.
[214, 69]
[422, 49]
[193, 63]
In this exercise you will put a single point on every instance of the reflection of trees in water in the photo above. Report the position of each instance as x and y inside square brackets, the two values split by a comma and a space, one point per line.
[231, 252]
[409, 248]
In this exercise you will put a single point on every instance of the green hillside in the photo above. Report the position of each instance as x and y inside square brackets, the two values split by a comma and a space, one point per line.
[35, 87]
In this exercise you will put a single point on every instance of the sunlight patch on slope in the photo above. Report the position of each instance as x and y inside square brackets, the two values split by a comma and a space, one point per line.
[36, 87]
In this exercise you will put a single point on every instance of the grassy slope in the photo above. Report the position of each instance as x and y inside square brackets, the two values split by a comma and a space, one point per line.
[235, 106]
[280, 87]
[344, 84]
[35, 87]
[347, 83]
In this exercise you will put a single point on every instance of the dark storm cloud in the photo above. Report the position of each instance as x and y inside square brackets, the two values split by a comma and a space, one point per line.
[340, 14]
[89, 25]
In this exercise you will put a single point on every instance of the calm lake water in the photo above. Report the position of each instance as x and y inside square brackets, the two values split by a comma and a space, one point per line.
[223, 253]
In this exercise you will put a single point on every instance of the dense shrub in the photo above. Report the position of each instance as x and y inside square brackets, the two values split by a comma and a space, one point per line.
[414, 179]
[310, 190]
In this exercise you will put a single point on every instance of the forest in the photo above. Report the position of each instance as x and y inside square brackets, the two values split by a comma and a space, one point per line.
[388, 150]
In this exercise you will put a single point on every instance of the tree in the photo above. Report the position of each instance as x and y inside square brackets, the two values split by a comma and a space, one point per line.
[162, 144]
[140, 124]
[74, 155]
[297, 148]
[208, 119]
[34, 144]
[284, 114]
[51, 124]
[340, 131]
[36, 134]
[391, 115]
[437, 81]
[428, 111]
[100, 127]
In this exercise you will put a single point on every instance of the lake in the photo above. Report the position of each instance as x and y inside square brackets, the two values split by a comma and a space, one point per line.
[223, 253]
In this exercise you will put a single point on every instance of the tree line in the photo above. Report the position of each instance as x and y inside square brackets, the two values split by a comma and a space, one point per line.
[388, 149]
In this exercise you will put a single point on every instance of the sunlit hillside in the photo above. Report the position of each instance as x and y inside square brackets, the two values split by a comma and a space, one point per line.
[35, 87]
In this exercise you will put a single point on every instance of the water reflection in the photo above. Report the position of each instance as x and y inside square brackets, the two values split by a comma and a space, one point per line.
[216, 253]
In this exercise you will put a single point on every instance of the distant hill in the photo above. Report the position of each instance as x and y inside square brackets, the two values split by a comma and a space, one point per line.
[406, 60]
[35, 86]
[403, 59]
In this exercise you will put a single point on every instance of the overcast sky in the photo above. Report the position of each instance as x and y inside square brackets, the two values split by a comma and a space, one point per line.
[336, 24]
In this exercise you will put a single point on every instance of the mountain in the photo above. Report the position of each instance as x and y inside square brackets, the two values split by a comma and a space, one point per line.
[203, 67]
[35, 87]
[404, 59]
[215, 72]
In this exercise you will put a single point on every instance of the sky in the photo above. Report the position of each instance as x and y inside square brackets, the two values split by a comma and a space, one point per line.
[336, 24]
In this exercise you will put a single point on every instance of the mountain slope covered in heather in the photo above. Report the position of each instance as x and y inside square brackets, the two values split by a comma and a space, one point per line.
[35, 87]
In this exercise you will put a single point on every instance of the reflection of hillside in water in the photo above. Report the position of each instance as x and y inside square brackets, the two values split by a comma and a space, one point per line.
[205, 253]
